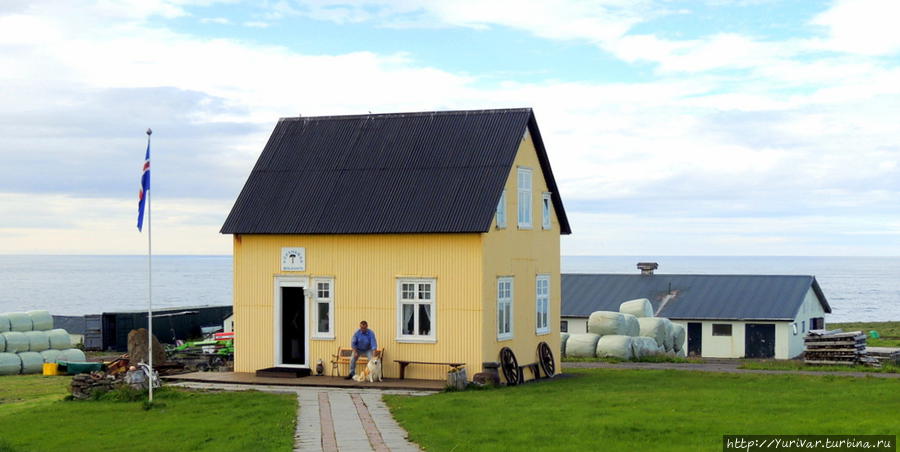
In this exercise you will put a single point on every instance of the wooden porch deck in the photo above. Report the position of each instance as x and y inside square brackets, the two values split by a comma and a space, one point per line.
[312, 380]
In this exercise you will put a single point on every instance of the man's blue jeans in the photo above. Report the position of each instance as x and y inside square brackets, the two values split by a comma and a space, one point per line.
[355, 357]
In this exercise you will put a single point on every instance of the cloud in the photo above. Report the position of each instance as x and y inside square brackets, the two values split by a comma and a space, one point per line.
[867, 27]
[731, 135]
[215, 20]
[256, 24]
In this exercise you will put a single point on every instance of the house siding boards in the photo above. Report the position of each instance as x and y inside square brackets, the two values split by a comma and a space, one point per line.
[365, 270]
[523, 254]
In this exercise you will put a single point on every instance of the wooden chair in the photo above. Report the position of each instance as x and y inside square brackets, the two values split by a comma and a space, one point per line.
[343, 356]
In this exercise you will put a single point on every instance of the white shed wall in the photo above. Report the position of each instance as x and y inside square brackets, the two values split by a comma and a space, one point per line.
[576, 324]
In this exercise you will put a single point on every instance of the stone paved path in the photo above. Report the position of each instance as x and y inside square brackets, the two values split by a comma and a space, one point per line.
[338, 419]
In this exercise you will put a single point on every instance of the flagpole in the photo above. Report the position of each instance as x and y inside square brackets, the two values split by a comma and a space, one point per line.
[149, 283]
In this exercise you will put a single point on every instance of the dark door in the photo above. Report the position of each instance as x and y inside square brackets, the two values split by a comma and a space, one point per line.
[695, 339]
[293, 331]
[759, 340]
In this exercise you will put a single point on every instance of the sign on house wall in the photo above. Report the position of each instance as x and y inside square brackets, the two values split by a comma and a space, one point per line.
[293, 259]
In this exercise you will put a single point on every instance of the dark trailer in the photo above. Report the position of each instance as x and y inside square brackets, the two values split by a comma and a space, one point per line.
[109, 331]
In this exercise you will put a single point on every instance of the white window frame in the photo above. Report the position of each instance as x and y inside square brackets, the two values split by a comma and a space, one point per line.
[546, 209]
[501, 211]
[542, 304]
[524, 207]
[430, 338]
[508, 301]
[328, 335]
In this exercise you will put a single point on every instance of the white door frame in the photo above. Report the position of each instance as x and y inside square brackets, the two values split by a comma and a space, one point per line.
[291, 281]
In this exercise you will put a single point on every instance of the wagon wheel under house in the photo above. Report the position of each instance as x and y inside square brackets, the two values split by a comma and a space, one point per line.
[545, 357]
[510, 366]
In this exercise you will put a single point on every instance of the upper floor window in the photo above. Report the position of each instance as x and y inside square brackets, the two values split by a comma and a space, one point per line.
[504, 308]
[545, 210]
[542, 302]
[415, 309]
[324, 307]
[501, 211]
[523, 182]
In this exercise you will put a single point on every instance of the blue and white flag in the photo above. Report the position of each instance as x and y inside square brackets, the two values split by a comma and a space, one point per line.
[145, 188]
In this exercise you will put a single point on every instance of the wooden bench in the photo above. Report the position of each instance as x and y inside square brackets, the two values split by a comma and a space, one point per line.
[343, 356]
[403, 365]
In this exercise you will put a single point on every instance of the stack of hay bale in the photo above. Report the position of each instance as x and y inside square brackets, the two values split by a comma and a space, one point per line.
[631, 333]
[28, 340]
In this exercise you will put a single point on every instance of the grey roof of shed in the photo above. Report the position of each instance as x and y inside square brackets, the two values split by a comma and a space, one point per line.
[386, 173]
[732, 297]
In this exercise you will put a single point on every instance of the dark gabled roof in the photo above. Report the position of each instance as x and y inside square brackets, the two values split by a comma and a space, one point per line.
[386, 173]
[732, 297]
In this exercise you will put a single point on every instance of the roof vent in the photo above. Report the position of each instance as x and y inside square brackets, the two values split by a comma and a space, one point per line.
[647, 268]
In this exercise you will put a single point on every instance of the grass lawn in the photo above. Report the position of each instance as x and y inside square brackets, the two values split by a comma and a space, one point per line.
[889, 332]
[799, 365]
[34, 417]
[630, 410]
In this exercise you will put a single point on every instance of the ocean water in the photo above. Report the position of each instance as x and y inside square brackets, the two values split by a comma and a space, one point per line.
[858, 288]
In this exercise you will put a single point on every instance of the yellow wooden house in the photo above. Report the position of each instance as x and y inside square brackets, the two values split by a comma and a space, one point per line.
[441, 229]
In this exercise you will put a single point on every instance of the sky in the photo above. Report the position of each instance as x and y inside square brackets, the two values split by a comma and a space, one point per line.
[708, 127]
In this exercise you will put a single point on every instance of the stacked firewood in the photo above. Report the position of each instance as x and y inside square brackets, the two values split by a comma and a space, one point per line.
[83, 385]
[837, 348]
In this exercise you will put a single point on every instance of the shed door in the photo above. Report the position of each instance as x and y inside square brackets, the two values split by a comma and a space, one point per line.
[695, 336]
[759, 340]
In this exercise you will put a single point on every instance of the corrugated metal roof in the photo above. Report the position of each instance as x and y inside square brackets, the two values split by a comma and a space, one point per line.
[386, 173]
[734, 297]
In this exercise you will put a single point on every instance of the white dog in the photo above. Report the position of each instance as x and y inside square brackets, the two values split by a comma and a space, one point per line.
[372, 372]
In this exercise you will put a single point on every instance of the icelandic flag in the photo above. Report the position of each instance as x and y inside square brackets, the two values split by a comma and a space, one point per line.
[145, 188]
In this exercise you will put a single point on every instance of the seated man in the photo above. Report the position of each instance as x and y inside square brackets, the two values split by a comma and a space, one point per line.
[363, 342]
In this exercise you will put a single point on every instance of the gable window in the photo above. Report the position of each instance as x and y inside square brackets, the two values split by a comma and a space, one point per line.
[545, 210]
[415, 310]
[523, 182]
[324, 296]
[721, 329]
[501, 211]
[542, 300]
[504, 308]
[564, 326]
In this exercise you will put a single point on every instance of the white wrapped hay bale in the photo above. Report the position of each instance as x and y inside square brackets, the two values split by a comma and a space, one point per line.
[41, 320]
[72, 355]
[4, 323]
[59, 339]
[563, 337]
[614, 346]
[678, 336]
[15, 341]
[582, 345]
[10, 364]
[670, 332]
[38, 341]
[32, 362]
[643, 346]
[654, 327]
[51, 356]
[19, 321]
[681, 353]
[638, 308]
[615, 323]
